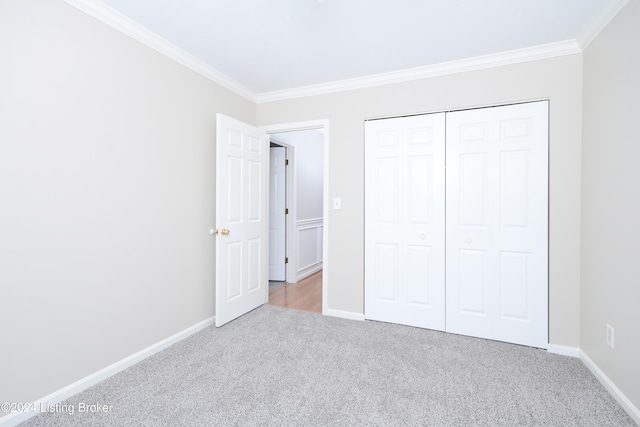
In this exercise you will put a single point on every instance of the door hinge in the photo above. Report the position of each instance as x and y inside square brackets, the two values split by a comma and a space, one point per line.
[286, 260]
[286, 162]
[286, 211]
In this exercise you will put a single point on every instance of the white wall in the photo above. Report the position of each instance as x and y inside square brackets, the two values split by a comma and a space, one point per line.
[611, 201]
[107, 155]
[559, 79]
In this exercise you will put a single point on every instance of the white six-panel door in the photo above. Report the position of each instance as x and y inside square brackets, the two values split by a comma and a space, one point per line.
[497, 221]
[242, 156]
[277, 219]
[404, 221]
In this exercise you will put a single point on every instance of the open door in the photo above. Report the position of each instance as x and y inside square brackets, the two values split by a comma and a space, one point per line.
[242, 179]
[277, 217]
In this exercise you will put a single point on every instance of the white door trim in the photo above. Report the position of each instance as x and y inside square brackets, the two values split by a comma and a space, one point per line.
[308, 125]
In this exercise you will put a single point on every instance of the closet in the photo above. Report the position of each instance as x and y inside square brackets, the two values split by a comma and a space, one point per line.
[456, 222]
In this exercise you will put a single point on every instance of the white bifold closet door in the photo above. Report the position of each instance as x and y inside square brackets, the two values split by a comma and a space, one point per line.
[404, 221]
[493, 282]
[497, 222]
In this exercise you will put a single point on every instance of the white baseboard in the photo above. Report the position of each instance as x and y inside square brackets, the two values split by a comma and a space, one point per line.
[597, 372]
[350, 315]
[308, 271]
[563, 350]
[13, 419]
[611, 388]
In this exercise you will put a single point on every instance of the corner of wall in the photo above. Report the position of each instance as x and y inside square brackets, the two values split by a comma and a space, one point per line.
[626, 404]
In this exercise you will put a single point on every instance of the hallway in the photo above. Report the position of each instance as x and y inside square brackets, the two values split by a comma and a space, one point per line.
[306, 295]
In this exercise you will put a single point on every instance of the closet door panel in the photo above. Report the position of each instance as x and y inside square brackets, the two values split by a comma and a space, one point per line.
[404, 221]
[497, 206]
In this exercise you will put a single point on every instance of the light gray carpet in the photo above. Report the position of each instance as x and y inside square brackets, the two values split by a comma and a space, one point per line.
[284, 367]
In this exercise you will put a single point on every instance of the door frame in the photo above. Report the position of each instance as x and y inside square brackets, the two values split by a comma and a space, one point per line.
[310, 125]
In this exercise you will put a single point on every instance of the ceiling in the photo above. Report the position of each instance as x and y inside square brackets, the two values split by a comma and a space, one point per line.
[266, 46]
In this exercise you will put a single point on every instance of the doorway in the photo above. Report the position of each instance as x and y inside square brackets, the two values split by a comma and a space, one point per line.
[297, 232]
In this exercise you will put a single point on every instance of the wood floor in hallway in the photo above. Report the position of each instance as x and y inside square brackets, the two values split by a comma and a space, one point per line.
[306, 295]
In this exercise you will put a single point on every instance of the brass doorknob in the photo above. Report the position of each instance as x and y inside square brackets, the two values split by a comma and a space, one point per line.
[224, 232]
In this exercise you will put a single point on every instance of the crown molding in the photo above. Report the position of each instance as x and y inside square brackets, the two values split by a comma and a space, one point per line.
[606, 14]
[550, 50]
[125, 25]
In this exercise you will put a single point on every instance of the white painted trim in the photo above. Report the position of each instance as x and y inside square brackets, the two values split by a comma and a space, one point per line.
[310, 221]
[550, 50]
[296, 126]
[101, 375]
[309, 270]
[131, 28]
[292, 218]
[611, 388]
[563, 350]
[136, 31]
[350, 315]
[316, 124]
[325, 224]
[316, 225]
[606, 14]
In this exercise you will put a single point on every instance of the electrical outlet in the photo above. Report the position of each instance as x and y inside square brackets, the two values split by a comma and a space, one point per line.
[610, 335]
